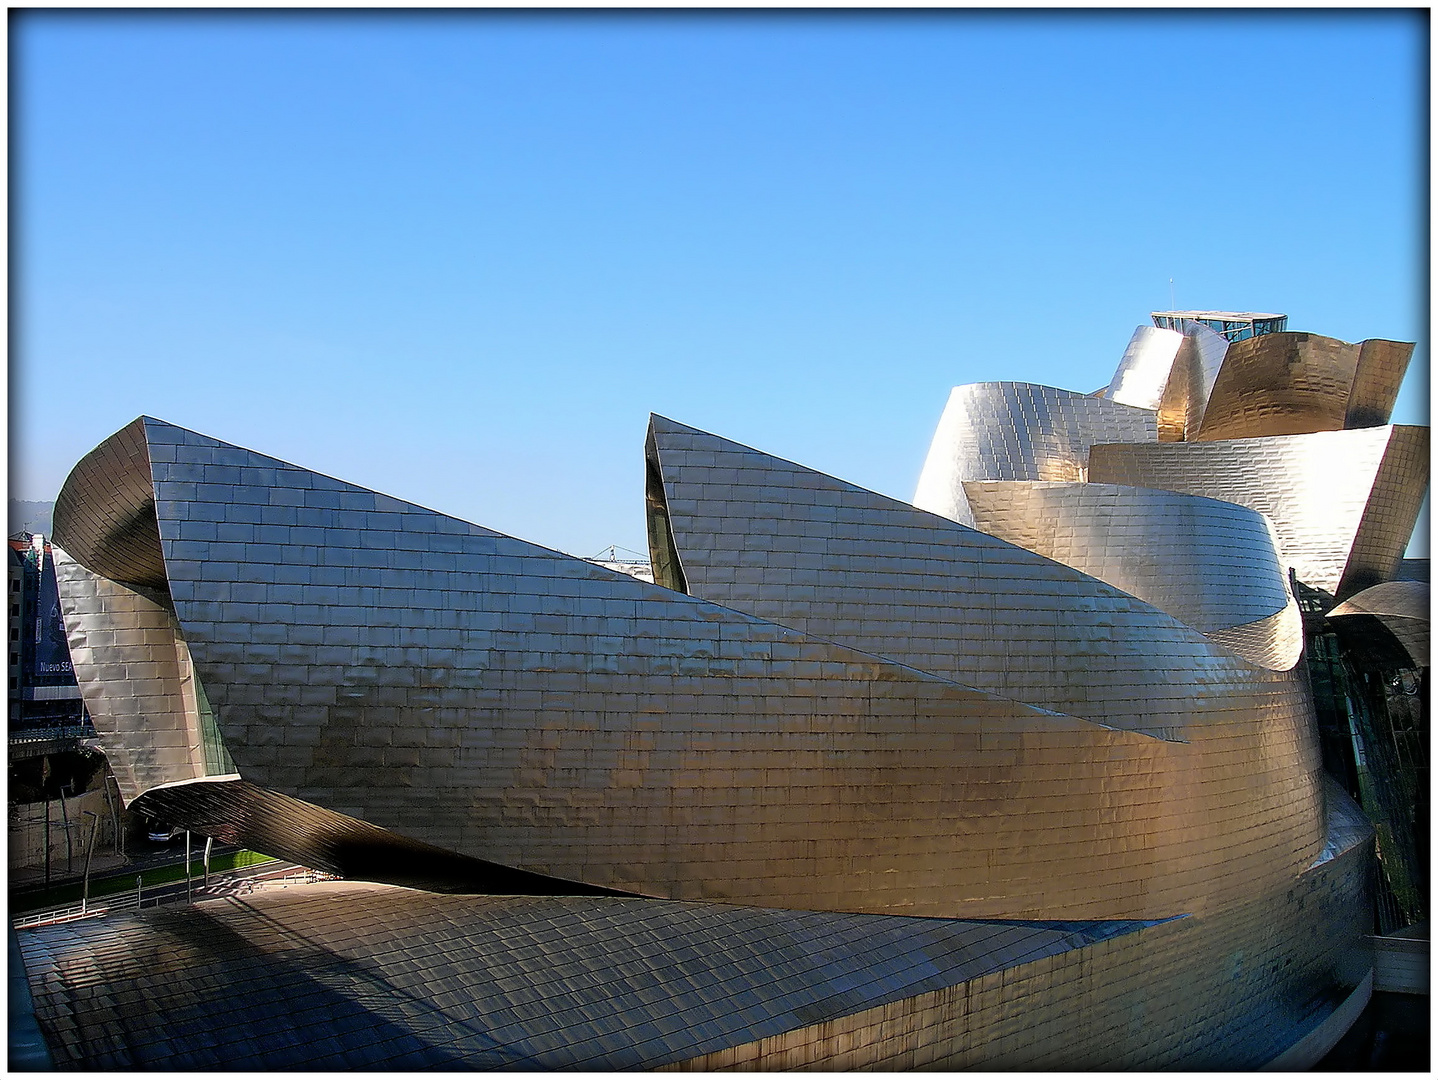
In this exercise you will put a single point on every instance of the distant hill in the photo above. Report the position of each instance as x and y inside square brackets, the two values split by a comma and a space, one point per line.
[30, 517]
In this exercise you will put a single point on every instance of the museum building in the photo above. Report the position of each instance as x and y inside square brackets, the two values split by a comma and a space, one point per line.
[1029, 773]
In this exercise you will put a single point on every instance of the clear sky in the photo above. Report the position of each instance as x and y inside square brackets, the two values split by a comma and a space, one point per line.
[460, 257]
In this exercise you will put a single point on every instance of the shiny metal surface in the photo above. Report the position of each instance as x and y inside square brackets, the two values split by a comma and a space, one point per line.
[1018, 431]
[1186, 395]
[1228, 991]
[1294, 384]
[137, 679]
[1144, 369]
[1343, 502]
[344, 975]
[1210, 564]
[808, 551]
[472, 692]
[1087, 758]
[1171, 373]
[483, 982]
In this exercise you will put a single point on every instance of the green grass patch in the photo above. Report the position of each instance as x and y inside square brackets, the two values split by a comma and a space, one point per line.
[124, 880]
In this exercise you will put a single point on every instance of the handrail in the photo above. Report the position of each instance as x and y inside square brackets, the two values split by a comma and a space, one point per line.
[127, 901]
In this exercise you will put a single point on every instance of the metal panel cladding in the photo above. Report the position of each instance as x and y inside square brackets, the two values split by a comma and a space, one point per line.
[1344, 503]
[494, 699]
[1019, 431]
[1210, 564]
[1294, 383]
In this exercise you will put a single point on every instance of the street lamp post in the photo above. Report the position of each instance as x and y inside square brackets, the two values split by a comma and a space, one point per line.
[69, 848]
[47, 845]
[90, 851]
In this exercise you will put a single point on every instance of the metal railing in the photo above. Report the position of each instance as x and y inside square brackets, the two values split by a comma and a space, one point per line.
[171, 893]
[23, 736]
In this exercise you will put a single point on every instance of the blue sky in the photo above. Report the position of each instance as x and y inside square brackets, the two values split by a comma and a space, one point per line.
[460, 257]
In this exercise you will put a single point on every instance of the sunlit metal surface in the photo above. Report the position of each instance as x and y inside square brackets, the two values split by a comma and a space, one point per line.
[1293, 384]
[1210, 564]
[1018, 431]
[344, 976]
[1403, 609]
[1144, 368]
[841, 563]
[1098, 754]
[478, 694]
[1171, 373]
[1275, 642]
[1343, 502]
[1195, 370]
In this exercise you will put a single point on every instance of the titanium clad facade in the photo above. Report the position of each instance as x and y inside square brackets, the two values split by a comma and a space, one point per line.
[139, 682]
[1343, 502]
[1018, 431]
[1171, 373]
[471, 692]
[346, 975]
[1190, 385]
[1144, 369]
[1025, 777]
[838, 562]
[1210, 564]
[1294, 384]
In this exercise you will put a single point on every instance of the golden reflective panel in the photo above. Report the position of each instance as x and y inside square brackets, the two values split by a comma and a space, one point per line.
[1292, 384]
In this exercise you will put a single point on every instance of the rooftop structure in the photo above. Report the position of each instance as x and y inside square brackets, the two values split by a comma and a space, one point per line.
[1234, 325]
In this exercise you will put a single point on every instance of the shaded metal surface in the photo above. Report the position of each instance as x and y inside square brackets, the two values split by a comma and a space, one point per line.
[136, 677]
[1019, 431]
[108, 516]
[1210, 564]
[1227, 991]
[341, 975]
[1294, 383]
[1343, 502]
[497, 700]
[1403, 609]
[237, 812]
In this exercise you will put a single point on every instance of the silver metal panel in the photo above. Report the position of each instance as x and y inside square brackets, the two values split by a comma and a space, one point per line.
[494, 699]
[136, 677]
[1195, 370]
[1144, 369]
[344, 976]
[839, 562]
[1018, 431]
[1343, 502]
[1210, 564]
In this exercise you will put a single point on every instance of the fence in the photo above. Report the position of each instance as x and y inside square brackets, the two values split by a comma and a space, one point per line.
[171, 892]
